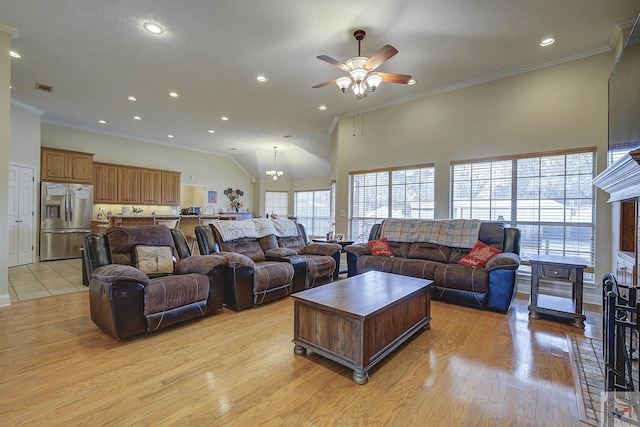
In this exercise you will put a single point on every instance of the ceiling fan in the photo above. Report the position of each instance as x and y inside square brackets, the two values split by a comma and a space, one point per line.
[364, 78]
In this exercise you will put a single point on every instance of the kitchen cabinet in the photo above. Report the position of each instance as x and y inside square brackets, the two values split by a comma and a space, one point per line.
[128, 185]
[105, 183]
[150, 187]
[66, 166]
[171, 188]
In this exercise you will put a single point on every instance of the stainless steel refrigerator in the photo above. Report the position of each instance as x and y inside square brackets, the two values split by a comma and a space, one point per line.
[65, 217]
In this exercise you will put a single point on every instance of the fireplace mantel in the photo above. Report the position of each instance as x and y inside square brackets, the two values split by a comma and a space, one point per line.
[622, 179]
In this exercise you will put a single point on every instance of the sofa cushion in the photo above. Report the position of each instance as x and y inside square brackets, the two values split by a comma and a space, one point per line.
[123, 239]
[378, 263]
[154, 261]
[248, 247]
[421, 268]
[169, 292]
[271, 274]
[429, 251]
[380, 247]
[457, 276]
[479, 255]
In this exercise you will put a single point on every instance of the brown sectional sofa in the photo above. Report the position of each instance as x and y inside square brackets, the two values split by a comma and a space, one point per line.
[491, 287]
[270, 260]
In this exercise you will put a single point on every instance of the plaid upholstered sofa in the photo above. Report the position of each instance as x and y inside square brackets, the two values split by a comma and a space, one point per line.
[432, 249]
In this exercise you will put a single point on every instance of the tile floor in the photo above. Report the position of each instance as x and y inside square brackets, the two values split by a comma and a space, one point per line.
[44, 279]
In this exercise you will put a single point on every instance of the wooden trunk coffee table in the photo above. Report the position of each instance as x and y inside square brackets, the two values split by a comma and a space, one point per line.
[360, 320]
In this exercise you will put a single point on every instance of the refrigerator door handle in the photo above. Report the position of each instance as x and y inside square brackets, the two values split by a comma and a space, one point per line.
[70, 208]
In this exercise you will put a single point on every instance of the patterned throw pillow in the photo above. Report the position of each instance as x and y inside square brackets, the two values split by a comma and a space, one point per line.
[154, 261]
[380, 247]
[479, 255]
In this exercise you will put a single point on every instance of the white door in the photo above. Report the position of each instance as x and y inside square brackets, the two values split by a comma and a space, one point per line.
[21, 215]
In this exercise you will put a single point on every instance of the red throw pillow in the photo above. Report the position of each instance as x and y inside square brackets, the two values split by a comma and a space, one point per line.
[380, 247]
[479, 255]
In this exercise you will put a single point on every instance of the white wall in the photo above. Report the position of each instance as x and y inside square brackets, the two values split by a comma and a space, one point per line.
[5, 124]
[559, 107]
[216, 172]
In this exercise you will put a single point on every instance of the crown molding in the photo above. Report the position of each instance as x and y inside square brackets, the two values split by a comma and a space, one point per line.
[27, 107]
[15, 33]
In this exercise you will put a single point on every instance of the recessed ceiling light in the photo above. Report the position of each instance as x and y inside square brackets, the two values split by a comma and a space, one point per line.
[411, 82]
[14, 54]
[169, 136]
[225, 118]
[211, 131]
[132, 98]
[137, 118]
[153, 28]
[322, 107]
[547, 42]
[261, 78]
[173, 94]
[102, 122]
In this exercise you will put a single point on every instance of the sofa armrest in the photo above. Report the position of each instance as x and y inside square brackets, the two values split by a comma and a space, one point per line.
[113, 273]
[235, 260]
[358, 249]
[201, 264]
[504, 260]
[326, 249]
[280, 252]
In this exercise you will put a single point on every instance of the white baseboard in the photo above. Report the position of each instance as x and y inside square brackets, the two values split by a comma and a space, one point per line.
[5, 300]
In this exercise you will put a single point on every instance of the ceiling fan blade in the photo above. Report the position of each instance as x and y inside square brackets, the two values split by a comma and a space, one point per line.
[334, 62]
[380, 57]
[330, 82]
[394, 78]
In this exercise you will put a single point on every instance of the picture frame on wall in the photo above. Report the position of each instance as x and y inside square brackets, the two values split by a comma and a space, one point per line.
[212, 197]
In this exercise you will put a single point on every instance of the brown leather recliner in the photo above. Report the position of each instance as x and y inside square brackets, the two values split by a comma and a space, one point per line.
[323, 259]
[126, 301]
[252, 279]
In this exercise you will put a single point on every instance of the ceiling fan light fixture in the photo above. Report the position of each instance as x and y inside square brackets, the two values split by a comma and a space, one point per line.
[359, 89]
[343, 83]
[358, 74]
[374, 81]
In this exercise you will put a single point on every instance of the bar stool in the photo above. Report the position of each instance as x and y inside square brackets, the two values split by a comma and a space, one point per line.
[171, 222]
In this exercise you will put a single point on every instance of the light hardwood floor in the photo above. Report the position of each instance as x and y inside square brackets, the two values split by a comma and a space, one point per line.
[471, 368]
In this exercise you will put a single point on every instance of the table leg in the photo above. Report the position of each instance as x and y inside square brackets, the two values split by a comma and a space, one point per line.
[360, 377]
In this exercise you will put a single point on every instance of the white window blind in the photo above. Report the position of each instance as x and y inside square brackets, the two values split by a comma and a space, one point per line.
[391, 193]
[548, 196]
[313, 210]
[276, 202]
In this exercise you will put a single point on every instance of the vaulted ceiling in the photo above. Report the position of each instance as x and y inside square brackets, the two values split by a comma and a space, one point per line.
[95, 53]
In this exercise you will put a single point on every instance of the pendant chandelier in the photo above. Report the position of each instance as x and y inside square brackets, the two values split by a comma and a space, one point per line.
[274, 174]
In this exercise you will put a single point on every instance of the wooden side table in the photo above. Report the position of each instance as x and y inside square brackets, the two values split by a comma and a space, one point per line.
[567, 269]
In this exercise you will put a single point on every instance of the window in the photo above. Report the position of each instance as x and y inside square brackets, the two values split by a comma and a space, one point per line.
[277, 202]
[391, 193]
[313, 210]
[548, 196]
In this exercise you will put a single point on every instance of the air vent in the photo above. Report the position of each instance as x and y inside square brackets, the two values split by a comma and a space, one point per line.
[44, 88]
